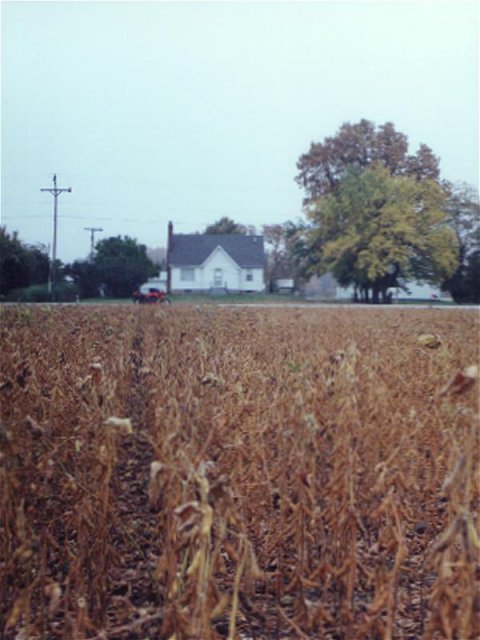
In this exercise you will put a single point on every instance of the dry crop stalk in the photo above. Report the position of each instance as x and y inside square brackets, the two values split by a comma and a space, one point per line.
[221, 384]
[455, 556]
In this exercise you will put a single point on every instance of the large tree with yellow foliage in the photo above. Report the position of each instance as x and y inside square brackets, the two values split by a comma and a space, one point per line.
[378, 230]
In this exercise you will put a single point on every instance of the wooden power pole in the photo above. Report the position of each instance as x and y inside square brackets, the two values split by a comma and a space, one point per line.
[92, 230]
[56, 191]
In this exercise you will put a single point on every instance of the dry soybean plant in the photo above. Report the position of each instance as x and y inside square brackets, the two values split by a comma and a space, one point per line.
[207, 472]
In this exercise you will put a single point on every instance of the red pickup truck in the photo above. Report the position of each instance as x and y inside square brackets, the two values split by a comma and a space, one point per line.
[150, 295]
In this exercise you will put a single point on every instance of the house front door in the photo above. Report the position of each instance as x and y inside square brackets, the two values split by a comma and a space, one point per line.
[218, 278]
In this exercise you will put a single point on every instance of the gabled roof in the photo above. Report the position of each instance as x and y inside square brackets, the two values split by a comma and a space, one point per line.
[193, 249]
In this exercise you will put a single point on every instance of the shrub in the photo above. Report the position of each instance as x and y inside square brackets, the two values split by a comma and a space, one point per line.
[65, 292]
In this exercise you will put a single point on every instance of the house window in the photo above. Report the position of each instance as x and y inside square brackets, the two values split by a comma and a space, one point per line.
[218, 277]
[187, 274]
[249, 275]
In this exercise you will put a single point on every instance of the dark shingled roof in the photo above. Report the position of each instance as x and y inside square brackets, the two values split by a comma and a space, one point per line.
[194, 249]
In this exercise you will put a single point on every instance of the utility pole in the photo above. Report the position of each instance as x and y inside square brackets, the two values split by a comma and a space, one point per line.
[53, 268]
[92, 230]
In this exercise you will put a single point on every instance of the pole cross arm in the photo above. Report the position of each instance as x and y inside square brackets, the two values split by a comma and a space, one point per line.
[55, 192]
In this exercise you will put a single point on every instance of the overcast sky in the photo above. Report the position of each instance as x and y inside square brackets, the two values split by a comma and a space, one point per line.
[188, 111]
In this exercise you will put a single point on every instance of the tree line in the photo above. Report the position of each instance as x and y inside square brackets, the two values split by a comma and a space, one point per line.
[117, 267]
[376, 217]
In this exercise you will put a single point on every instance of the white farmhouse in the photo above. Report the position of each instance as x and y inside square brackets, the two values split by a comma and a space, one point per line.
[215, 263]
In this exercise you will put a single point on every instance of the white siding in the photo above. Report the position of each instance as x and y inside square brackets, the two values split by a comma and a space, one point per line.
[228, 276]
[257, 283]
[178, 284]
[417, 292]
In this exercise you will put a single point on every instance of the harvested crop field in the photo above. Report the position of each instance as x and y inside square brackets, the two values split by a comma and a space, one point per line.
[204, 472]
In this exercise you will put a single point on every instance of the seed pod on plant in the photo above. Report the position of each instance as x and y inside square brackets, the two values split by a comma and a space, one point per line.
[123, 425]
[470, 539]
[336, 358]
[429, 340]
[156, 483]
[447, 537]
[207, 468]
[146, 372]
[461, 381]
[220, 607]
[454, 477]
[211, 379]
[23, 552]
[196, 562]
[207, 520]
[82, 383]
[53, 591]
[312, 425]
[50, 469]
[188, 515]
[472, 534]
[19, 607]
[220, 492]
[252, 570]
[33, 426]
[96, 371]
[83, 622]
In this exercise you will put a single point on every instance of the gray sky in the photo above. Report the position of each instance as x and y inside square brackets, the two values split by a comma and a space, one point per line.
[187, 111]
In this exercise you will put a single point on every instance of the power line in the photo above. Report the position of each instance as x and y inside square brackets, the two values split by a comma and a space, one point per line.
[139, 220]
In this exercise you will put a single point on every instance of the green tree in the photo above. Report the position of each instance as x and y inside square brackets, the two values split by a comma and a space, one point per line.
[86, 276]
[21, 265]
[472, 277]
[122, 265]
[14, 270]
[226, 225]
[378, 231]
[39, 264]
[463, 212]
[362, 145]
